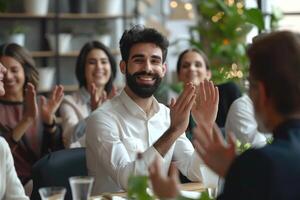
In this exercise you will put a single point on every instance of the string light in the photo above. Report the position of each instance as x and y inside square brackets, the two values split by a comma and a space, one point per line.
[173, 4]
[188, 6]
[230, 2]
[239, 5]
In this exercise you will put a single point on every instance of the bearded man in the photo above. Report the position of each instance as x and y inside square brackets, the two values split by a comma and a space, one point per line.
[135, 122]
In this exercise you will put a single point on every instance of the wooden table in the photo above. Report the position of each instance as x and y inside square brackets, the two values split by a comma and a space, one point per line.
[196, 187]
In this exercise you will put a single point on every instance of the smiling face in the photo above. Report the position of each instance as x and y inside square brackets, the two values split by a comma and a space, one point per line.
[97, 68]
[14, 79]
[2, 73]
[144, 69]
[193, 68]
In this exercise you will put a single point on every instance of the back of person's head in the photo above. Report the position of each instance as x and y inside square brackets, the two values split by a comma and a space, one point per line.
[275, 61]
[201, 53]
[20, 54]
[81, 62]
[141, 34]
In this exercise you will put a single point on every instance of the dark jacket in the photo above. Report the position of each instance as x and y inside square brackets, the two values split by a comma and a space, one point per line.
[272, 172]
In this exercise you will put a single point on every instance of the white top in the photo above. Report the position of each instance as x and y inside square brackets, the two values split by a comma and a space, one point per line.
[241, 121]
[10, 185]
[118, 130]
[74, 110]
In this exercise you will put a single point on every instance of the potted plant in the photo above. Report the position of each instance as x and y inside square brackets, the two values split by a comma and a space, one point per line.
[36, 7]
[221, 33]
[3, 5]
[109, 7]
[63, 39]
[17, 35]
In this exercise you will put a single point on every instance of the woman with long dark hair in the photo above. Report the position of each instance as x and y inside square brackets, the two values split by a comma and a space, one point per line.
[95, 72]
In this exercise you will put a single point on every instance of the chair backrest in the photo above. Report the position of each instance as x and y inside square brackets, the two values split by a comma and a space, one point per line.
[55, 169]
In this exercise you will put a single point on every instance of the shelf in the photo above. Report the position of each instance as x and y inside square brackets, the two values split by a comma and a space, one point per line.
[91, 16]
[25, 16]
[67, 88]
[44, 54]
[61, 16]
[70, 88]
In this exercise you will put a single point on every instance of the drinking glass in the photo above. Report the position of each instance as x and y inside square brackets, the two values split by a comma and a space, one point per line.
[81, 187]
[210, 181]
[52, 193]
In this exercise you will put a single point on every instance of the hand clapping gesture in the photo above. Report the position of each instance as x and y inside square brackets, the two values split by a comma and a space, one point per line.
[164, 186]
[97, 99]
[205, 108]
[212, 148]
[181, 108]
[31, 107]
[50, 106]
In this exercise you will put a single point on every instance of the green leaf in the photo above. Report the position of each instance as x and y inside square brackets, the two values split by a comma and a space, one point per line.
[205, 196]
[137, 188]
[254, 16]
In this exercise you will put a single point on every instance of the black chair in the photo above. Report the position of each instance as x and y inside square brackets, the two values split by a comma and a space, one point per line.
[55, 169]
[228, 93]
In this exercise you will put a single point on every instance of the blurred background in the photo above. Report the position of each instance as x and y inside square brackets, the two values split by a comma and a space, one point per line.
[55, 30]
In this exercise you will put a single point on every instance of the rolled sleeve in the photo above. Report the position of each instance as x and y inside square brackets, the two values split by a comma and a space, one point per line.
[187, 160]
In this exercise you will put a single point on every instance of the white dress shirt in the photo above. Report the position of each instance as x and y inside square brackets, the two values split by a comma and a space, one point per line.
[74, 110]
[241, 121]
[118, 130]
[10, 185]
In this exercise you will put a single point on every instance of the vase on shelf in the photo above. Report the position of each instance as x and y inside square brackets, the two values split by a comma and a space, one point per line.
[17, 38]
[64, 42]
[109, 7]
[36, 7]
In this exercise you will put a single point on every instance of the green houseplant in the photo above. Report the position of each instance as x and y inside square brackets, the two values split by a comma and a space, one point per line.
[16, 34]
[221, 30]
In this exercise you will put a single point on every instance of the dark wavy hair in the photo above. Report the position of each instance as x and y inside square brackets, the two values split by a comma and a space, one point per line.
[201, 53]
[81, 60]
[24, 58]
[275, 61]
[141, 34]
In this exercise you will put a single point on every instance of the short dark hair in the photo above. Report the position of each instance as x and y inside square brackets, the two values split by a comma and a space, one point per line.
[24, 58]
[141, 34]
[201, 53]
[81, 60]
[275, 61]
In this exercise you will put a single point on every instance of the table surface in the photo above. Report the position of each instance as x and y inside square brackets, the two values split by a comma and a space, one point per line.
[196, 187]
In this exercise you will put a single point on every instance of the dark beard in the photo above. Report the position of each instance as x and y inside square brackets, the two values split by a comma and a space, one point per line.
[142, 90]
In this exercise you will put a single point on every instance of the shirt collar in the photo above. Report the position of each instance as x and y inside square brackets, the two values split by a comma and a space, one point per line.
[85, 95]
[282, 130]
[135, 109]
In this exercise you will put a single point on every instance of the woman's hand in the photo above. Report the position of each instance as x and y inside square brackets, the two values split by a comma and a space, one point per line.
[181, 108]
[30, 107]
[30, 113]
[50, 106]
[205, 108]
[96, 98]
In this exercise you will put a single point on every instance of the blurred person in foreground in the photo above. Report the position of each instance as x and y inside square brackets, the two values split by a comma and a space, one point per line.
[27, 121]
[271, 172]
[10, 185]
